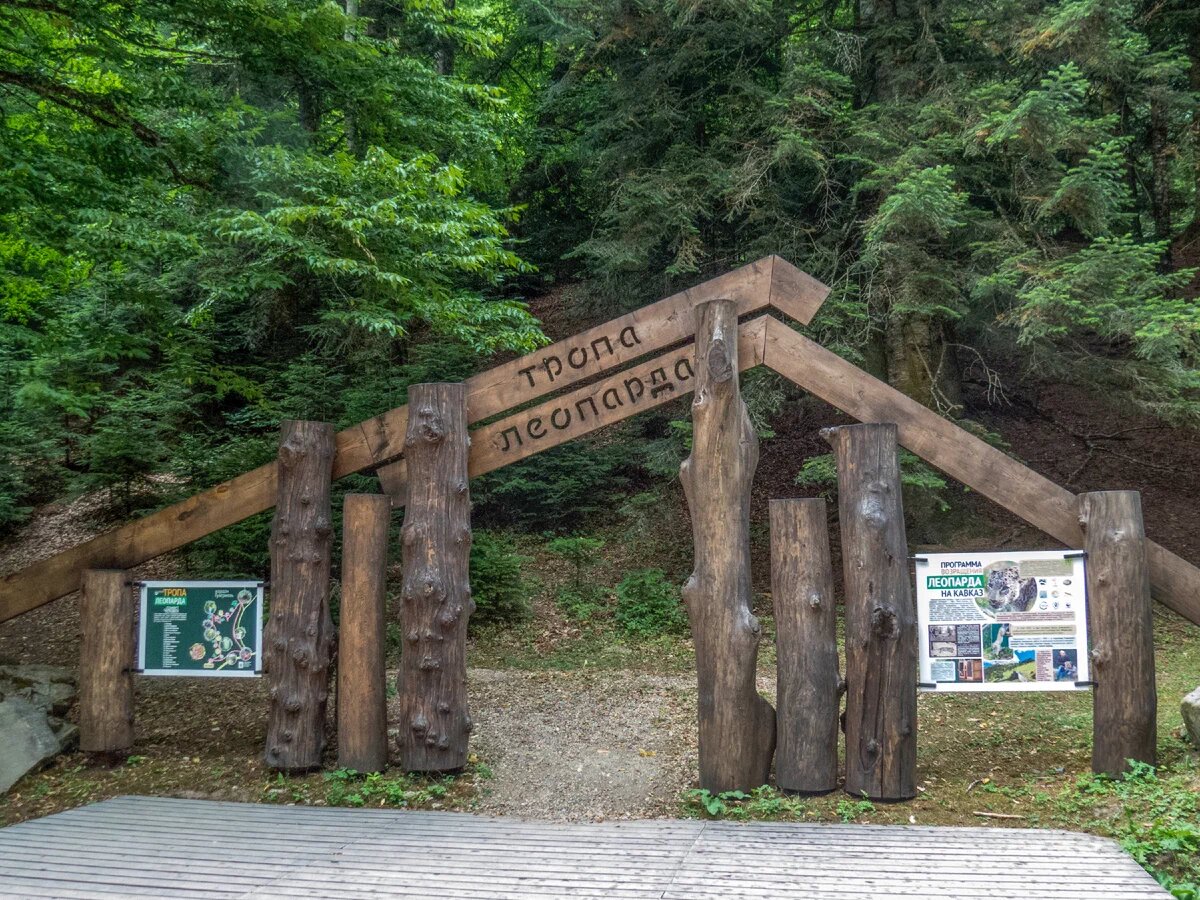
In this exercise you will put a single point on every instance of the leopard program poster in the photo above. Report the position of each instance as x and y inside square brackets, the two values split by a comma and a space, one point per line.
[206, 628]
[1014, 621]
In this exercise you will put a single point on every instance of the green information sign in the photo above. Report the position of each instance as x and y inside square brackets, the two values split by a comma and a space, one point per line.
[208, 628]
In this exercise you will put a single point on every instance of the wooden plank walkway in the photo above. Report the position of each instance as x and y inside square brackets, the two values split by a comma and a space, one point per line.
[158, 847]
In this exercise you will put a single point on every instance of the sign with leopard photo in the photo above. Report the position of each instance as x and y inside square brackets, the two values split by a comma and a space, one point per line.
[1012, 621]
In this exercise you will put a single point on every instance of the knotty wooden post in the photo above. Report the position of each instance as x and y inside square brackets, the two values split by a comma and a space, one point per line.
[808, 690]
[361, 679]
[737, 726]
[436, 592]
[299, 633]
[1120, 623]
[106, 659]
[881, 615]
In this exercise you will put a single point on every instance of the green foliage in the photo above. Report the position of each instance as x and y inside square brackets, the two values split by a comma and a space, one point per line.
[346, 787]
[851, 810]
[580, 600]
[556, 490]
[1157, 821]
[648, 604]
[761, 803]
[497, 585]
[821, 472]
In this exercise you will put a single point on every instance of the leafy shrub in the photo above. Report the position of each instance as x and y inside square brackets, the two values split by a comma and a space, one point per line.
[578, 600]
[915, 476]
[500, 591]
[554, 490]
[648, 604]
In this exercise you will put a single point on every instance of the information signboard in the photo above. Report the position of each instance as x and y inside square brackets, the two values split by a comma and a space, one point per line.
[1012, 621]
[207, 628]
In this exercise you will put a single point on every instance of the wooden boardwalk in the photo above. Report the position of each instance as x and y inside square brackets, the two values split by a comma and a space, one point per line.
[155, 847]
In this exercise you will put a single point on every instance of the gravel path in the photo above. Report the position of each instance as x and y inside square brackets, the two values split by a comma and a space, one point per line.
[582, 745]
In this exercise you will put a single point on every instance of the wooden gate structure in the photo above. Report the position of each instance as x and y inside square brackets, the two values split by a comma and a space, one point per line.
[698, 340]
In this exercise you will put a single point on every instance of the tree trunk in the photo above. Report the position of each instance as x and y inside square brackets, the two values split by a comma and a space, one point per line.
[1160, 159]
[436, 593]
[737, 726]
[921, 364]
[809, 686]
[106, 658]
[361, 678]
[1124, 701]
[299, 635]
[349, 118]
[881, 615]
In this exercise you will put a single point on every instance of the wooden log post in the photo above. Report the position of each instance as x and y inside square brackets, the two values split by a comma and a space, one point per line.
[809, 687]
[736, 725]
[361, 678]
[1120, 623]
[881, 615]
[106, 659]
[435, 593]
[299, 636]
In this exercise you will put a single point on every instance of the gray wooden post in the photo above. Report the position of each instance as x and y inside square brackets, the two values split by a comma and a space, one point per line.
[106, 659]
[881, 615]
[361, 679]
[299, 638]
[435, 595]
[808, 689]
[1120, 624]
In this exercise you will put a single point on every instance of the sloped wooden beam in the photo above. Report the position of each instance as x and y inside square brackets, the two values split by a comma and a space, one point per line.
[770, 281]
[962, 456]
[586, 409]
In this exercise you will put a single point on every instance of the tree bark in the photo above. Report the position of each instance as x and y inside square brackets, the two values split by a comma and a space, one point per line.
[106, 658]
[922, 364]
[1124, 699]
[361, 678]
[808, 691]
[299, 635]
[436, 593]
[1160, 193]
[737, 726]
[881, 615]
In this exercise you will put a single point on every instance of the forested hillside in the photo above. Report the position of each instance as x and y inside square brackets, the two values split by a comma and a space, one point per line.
[216, 215]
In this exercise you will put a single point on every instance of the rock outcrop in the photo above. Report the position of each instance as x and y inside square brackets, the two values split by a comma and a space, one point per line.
[34, 700]
[1191, 716]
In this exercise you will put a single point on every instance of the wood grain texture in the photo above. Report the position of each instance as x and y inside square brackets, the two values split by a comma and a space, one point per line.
[736, 725]
[160, 847]
[1121, 629]
[299, 637]
[106, 659]
[361, 675]
[881, 615]
[435, 596]
[645, 386]
[808, 687]
[961, 455]
[770, 281]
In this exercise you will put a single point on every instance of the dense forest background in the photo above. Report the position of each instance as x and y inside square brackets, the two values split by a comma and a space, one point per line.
[222, 213]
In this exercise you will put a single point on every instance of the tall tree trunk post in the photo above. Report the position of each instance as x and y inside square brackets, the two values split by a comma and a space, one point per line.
[1124, 699]
[106, 659]
[436, 593]
[736, 725]
[299, 634]
[809, 686]
[361, 678]
[881, 615]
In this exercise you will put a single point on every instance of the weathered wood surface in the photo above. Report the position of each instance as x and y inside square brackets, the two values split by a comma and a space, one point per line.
[736, 725]
[299, 636]
[645, 386]
[808, 686]
[961, 455]
[153, 847]
[435, 596]
[1121, 628]
[769, 282]
[106, 659]
[881, 615]
[361, 676]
